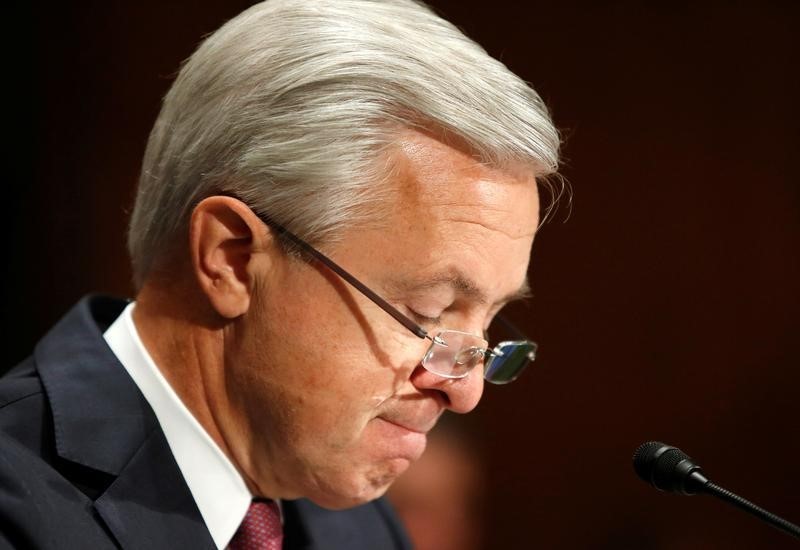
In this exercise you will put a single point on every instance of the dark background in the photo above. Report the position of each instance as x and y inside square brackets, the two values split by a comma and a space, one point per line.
[666, 307]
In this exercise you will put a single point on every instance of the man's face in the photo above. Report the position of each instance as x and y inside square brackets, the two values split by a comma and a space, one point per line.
[327, 388]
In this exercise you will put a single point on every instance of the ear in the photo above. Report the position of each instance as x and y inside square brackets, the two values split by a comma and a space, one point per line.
[224, 237]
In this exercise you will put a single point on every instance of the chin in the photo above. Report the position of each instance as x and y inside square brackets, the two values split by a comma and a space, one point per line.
[339, 492]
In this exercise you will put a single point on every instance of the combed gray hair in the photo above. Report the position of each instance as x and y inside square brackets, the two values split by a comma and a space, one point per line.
[289, 106]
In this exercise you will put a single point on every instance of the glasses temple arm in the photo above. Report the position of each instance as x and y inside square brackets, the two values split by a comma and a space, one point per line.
[355, 283]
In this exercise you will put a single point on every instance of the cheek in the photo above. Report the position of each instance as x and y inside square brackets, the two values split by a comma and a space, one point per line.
[316, 387]
[314, 381]
[330, 341]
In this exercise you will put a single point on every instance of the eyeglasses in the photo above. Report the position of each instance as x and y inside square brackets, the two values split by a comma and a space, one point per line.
[452, 353]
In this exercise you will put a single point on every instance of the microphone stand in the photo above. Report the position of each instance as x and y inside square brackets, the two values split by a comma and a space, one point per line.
[749, 507]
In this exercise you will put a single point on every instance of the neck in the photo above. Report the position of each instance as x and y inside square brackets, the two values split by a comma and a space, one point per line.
[186, 341]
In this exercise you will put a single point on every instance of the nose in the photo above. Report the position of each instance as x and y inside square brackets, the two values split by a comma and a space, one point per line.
[460, 395]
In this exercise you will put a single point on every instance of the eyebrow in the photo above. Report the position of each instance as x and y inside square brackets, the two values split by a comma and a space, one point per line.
[462, 284]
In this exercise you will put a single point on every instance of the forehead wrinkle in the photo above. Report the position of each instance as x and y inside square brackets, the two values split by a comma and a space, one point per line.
[522, 235]
[477, 211]
[490, 212]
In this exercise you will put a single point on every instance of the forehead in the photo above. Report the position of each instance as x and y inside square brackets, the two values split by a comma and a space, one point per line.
[443, 183]
[450, 215]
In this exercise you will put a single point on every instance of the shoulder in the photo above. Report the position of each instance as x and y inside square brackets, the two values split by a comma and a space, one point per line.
[23, 407]
[19, 383]
[45, 502]
[39, 507]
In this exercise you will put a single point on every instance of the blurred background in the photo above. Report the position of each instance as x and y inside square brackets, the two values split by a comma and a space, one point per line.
[666, 307]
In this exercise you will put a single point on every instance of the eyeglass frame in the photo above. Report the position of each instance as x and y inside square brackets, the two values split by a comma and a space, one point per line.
[409, 324]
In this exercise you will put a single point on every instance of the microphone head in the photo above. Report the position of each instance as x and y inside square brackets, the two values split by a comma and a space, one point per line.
[668, 468]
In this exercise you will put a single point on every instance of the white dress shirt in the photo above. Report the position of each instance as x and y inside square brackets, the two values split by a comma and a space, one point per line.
[217, 487]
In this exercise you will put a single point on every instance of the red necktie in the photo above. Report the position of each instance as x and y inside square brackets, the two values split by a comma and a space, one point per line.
[261, 528]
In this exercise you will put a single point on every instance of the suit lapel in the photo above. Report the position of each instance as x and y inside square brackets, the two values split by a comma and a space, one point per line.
[102, 421]
[149, 504]
[100, 417]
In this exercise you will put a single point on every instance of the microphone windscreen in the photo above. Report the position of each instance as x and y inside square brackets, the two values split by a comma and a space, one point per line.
[657, 464]
[644, 459]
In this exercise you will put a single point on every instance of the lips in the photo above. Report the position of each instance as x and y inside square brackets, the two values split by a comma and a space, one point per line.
[421, 425]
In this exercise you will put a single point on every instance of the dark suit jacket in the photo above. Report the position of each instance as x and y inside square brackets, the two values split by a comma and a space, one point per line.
[84, 463]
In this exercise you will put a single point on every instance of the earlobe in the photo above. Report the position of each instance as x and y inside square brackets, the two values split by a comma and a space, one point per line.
[223, 236]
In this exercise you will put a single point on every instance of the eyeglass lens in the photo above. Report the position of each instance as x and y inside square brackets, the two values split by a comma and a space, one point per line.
[508, 361]
[455, 353]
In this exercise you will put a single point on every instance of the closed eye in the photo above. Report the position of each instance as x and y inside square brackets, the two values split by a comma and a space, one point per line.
[424, 319]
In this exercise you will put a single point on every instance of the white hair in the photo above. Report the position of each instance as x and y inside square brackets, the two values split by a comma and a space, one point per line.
[289, 106]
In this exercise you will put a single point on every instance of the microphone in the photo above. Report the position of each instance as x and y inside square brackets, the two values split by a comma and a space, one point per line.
[669, 469]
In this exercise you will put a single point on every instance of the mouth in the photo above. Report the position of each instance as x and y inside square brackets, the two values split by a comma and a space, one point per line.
[403, 429]
[419, 426]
